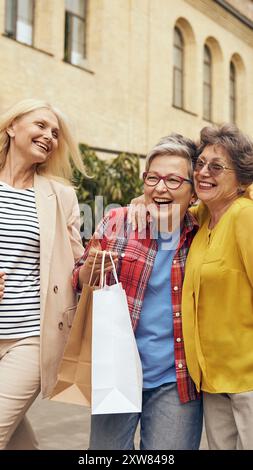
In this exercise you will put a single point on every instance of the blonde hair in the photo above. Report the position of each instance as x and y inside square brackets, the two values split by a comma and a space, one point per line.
[58, 166]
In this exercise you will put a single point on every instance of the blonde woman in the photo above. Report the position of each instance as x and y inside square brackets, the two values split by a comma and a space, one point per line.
[39, 243]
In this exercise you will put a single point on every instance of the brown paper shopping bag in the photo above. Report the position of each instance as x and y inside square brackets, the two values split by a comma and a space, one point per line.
[74, 375]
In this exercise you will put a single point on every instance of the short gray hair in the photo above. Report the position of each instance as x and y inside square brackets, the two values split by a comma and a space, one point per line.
[174, 144]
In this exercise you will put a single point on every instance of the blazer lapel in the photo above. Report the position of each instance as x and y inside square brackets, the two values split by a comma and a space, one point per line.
[46, 210]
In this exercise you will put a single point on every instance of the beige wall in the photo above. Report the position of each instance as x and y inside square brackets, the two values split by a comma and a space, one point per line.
[123, 99]
[244, 6]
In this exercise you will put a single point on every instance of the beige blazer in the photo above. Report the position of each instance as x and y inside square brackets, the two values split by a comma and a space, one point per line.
[60, 246]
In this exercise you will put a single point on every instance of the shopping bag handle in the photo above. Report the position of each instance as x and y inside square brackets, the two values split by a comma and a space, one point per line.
[102, 274]
[114, 268]
[93, 267]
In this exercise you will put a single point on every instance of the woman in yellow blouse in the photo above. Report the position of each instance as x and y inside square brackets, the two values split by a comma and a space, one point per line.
[218, 288]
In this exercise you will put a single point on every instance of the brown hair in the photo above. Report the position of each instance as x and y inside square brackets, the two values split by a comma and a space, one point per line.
[238, 146]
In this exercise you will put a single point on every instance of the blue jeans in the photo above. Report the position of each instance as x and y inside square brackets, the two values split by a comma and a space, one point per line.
[165, 424]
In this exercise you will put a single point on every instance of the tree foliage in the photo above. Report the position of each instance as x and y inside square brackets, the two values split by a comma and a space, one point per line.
[117, 180]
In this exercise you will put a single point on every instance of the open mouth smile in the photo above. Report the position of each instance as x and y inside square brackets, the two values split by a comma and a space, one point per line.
[162, 201]
[205, 185]
[42, 146]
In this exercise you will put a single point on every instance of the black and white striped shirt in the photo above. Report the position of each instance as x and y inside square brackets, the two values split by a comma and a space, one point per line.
[20, 260]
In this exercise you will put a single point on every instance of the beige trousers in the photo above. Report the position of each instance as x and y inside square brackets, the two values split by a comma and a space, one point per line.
[19, 386]
[23, 437]
[229, 420]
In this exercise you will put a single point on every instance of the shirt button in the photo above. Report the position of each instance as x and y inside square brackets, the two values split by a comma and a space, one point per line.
[175, 288]
[174, 261]
[178, 340]
[55, 289]
[180, 365]
[60, 325]
[177, 314]
[122, 255]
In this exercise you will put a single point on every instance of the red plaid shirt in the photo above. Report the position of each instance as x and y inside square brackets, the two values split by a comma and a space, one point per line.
[136, 260]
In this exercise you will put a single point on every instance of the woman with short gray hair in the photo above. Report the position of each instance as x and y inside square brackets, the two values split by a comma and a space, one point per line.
[151, 270]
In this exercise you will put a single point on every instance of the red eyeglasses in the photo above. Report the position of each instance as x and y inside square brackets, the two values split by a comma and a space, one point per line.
[171, 180]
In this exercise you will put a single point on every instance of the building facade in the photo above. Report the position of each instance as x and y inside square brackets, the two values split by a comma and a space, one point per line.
[130, 71]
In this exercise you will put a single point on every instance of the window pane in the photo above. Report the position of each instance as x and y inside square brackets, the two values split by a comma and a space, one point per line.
[24, 21]
[75, 31]
[207, 55]
[207, 84]
[10, 16]
[207, 102]
[232, 80]
[178, 62]
[207, 74]
[177, 89]
[75, 46]
[25, 10]
[232, 71]
[24, 32]
[178, 39]
[77, 49]
[232, 110]
[76, 6]
[178, 58]
[232, 92]
[178, 99]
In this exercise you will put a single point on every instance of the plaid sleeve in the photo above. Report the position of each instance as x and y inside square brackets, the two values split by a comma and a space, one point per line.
[100, 230]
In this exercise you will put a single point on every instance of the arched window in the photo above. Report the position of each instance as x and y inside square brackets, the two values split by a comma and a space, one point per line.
[207, 84]
[232, 93]
[178, 69]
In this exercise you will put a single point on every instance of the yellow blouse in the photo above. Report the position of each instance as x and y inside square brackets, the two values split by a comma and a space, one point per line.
[217, 304]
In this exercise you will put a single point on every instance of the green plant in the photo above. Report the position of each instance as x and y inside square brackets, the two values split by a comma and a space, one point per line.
[117, 180]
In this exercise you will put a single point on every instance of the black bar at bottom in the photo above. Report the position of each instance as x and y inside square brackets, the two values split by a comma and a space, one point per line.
[110, 459]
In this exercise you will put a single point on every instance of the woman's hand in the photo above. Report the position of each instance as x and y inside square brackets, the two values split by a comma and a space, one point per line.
[94, 261]
[137, 213]
[2, 279]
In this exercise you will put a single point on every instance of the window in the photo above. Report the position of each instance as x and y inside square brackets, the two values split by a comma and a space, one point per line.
[207, 85]
[75, 31]
[178, 69]
[19, 20]
[232, 93]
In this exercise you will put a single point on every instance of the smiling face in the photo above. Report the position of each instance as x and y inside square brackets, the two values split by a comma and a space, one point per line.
[216, 191]
[34, 136]
[159, 198]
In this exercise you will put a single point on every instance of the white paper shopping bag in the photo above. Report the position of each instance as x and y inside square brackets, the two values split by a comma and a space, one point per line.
[116, 365]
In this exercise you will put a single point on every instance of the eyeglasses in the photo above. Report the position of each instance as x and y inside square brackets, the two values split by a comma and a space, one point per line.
[171, 181]
[214, 169]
